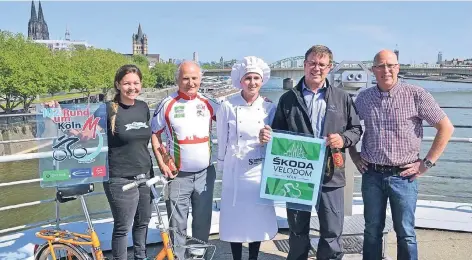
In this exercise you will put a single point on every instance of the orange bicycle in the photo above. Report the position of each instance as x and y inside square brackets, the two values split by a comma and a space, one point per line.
[65, 245]
[167, 252]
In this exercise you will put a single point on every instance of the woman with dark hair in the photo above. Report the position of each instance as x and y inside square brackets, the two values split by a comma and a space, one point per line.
[128, 158]
[128, 134]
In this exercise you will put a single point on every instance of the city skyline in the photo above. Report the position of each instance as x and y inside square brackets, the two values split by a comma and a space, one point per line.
[271, 30]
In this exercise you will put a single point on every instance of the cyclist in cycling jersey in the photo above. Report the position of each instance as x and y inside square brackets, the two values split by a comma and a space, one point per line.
[185, 117]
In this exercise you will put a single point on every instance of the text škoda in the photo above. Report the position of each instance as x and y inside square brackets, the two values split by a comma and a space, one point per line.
[292, 167]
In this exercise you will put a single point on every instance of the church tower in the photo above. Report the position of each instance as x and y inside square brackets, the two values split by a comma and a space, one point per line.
[37, 26]
[397, 52]
[67, 34]
[140, 42]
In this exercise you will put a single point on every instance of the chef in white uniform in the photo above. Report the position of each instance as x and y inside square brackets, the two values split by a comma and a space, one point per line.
[244, 216]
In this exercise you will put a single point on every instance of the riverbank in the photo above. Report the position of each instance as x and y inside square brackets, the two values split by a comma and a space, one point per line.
[436, 78]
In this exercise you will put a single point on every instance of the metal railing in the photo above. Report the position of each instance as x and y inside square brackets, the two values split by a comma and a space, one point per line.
[40, 155]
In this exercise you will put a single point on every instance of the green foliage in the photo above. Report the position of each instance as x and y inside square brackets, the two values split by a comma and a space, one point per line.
[212, 65]
[29, 69]
[149, 80]
[24, 71]
[164, 74]
[140, 61]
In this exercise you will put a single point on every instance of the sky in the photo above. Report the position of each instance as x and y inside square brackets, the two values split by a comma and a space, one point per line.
[270, 30]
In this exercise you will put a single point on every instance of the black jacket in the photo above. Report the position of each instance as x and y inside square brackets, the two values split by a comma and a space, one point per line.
[341, 117]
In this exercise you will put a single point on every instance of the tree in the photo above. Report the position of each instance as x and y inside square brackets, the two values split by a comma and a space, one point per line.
[59, 72]
[24, 71]
[164, 74]
[140, 60]
[29, 69]
[35, 74]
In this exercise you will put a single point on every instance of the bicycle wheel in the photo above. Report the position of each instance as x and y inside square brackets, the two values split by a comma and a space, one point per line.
[62, 252]
[81, 154]
[59, 155]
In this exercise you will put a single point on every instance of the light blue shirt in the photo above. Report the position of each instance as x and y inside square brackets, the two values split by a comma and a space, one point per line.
[316, 105]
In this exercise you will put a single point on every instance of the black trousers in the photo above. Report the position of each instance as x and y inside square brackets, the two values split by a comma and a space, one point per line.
[331, 218]
[131, 207]
[237, 250]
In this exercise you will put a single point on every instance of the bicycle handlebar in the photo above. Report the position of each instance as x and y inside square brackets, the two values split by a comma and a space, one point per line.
[133, 184]
[149, 182]
[155, 180]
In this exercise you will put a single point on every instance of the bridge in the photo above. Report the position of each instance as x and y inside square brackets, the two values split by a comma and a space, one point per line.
[293, 68]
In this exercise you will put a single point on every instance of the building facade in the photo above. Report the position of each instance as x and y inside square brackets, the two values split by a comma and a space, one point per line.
[64, 44]
[37, 26]
[140, 42]
[397, 53]
[440, 58]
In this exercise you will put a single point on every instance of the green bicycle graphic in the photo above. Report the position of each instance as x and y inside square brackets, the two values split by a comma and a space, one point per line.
[293, 192]
[289, 189]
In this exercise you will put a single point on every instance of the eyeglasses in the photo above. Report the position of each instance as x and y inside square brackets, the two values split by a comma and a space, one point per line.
[387, 65]
[312, 64]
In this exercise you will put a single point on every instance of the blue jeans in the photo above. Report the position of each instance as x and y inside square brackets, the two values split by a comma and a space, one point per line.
[403, 193]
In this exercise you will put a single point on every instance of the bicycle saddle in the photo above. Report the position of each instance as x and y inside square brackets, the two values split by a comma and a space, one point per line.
[65, 194]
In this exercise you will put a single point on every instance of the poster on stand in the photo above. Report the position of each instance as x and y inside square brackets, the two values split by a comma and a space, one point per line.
[72, 142]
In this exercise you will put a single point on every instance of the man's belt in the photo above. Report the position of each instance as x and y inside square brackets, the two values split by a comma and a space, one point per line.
[393, 170]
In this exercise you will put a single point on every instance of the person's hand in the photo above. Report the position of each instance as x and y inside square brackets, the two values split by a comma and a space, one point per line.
[360, 164]
[414, 170]
[86, 134]
[51, 104]
[334, 141]
[165, 170]
[265, 134]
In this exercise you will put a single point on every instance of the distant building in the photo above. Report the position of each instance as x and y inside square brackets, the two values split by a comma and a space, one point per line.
[440, 58]
[140, 47]
[140, 42]
[195, 56]
[67, 34]
[64, 44]
[37, 26]
[397, 52]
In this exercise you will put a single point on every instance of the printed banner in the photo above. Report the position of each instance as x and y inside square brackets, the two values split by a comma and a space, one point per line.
[293, 169]
[73, 143]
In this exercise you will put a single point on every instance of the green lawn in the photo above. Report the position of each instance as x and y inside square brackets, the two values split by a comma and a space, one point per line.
[63, 97]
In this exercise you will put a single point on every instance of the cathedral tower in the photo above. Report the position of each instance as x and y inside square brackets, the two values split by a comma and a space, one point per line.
[37, 26]
[140, 42]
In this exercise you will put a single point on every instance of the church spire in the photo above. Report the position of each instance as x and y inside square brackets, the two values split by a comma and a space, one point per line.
[40, 12]
[33, 12]
[140, 32]
[67, 33]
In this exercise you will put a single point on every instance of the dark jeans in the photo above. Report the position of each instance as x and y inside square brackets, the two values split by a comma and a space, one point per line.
[237, 250]
[376, 189]
[331, 218]
[131, 207]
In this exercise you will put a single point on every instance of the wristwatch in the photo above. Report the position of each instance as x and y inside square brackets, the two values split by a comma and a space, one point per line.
[428, 164]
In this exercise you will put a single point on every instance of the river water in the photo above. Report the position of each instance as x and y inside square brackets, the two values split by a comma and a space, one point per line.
[450, 180]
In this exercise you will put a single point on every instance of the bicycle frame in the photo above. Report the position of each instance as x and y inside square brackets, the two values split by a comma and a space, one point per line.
[77, 239]
[166, 251]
